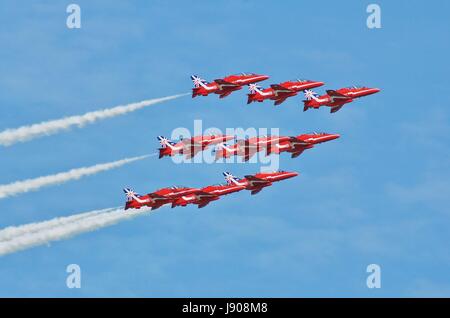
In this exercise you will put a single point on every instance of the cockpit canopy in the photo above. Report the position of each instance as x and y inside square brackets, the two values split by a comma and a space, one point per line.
[355, 87]
[244, 74]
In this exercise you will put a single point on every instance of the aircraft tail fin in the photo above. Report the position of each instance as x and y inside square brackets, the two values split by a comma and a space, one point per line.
[254, 88]
[230, 179]
[165, 142]
[198, 81]
[310, 94]
[130, 194]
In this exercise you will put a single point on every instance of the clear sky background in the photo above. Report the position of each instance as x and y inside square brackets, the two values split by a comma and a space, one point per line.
[379, 194]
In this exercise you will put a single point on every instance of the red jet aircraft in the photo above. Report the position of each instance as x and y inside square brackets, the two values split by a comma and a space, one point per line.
[247, 148]
[255, 183]
[207, 195]
[190, 146]
[156, 199]
[279, 92]
[224, 87]
[296, 145]
[336, 98]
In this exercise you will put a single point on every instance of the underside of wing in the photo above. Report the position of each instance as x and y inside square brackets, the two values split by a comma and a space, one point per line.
[335, 108]
[205, 195]
[253, 192]
[297, 153]
[279, 101]
[203, 204]
[255, 180]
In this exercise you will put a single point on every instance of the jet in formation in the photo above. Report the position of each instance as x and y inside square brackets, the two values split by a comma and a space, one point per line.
[336, 98]
[255, 183]
[224, 86]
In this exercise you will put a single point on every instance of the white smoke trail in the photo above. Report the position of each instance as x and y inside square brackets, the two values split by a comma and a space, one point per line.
[11, 232]
[25, 133]
[27, 185]
[33, 237]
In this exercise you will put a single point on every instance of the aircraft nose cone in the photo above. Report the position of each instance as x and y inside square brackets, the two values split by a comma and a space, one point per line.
[334, 136]
[320, 83]
[263, 77]
[376, 90]
[291, 174]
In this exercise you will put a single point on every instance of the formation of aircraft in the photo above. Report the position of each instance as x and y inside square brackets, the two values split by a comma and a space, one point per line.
[273, 144]
[182, 196]
[189, 146]
[245, 148]
[336, 98]
[280, 92]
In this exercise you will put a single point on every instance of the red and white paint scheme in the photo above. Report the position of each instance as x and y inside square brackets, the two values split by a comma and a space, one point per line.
[280, 92]
[296, 145]
[225, 86]
[255, 183]
[207, 195]
[189, 146]
[155, 199]
[336, 98]
[247, 148]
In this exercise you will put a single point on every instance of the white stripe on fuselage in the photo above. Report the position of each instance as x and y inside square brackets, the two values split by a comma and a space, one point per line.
[248, 79]
[358, 92]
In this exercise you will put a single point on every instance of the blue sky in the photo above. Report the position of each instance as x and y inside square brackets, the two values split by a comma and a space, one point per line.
[379, 194]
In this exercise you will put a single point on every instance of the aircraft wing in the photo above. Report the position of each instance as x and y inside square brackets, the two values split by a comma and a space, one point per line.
[157, 206]
[189, 142]
[224, 84]
[279, 101]
[247, 144]
[205, 195]
[255, 180]
[336, 95]
[203, 204]
[296, 154]
[335, 108]
[280, 90]
[157, 197]
[193, 151]
[253, 192]
[283, 139]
